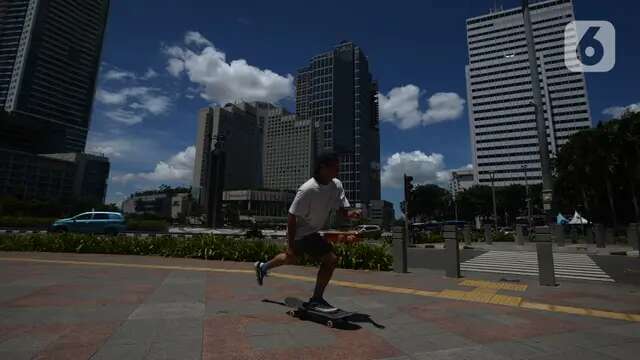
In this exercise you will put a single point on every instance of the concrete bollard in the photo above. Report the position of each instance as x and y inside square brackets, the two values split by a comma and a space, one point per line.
[574, 235]
[466, 233]
[557, 232]
[598, 231]
[633, 235]
[546, 270]
[488, 238]
[399, 249]
[610, 236]
[589, 236]
[520, 234]
[452, 251]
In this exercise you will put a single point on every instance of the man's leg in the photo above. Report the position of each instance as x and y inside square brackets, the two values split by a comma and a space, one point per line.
[328, 264]
[279, 260]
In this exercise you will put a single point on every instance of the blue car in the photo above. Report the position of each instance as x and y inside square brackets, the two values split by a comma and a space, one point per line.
[97, 222]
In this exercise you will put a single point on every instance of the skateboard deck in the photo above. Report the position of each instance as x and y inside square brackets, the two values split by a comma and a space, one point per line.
[331, 319]
[342, 236]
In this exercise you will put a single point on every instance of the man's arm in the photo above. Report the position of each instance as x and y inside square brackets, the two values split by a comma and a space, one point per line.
[291, 232]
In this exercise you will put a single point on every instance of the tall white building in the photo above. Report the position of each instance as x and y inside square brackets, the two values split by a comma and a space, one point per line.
[501, 112]
[287, 151]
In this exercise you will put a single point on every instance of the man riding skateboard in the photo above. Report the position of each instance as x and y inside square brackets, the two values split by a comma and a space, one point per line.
[307, 215]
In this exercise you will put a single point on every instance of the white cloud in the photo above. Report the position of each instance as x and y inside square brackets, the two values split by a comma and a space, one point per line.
[117, 74]
[125, 116]
[425, 169]
[150, 74]
[221, 81]
[121, 96]
[195, 38]
[121, 75]
[132, 105]
[401, 106]
[112, 148]
[178, 168]
[153, 104]
[617, 111]
[175, 67]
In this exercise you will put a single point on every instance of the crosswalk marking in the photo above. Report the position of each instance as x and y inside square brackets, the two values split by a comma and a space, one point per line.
[570, 266]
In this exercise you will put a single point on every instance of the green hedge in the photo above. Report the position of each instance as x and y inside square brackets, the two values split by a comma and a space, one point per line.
[352, 256]
[147, 225]
[25, 222]
[426, 238]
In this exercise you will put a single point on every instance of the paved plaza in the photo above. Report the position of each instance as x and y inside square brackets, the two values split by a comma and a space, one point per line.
[71, 306]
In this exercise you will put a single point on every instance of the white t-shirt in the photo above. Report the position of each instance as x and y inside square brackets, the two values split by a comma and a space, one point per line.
[313, 203]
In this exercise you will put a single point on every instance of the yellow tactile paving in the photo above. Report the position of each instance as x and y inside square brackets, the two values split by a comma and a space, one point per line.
[482, 294]
[494, 285]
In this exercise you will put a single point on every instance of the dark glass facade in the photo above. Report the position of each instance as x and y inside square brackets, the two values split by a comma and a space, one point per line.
[337, 92]
[49, 58]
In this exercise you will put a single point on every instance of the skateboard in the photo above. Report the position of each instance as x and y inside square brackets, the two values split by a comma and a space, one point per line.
[331, 319]
[342, 236]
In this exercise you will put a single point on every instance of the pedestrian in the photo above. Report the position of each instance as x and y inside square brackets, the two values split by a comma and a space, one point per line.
[308, 214]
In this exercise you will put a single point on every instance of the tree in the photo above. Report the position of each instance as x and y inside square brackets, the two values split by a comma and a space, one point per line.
[599, 169]
[628, 132]
[429, 201]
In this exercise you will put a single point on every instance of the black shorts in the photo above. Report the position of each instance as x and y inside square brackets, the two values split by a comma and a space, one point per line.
[314, 245]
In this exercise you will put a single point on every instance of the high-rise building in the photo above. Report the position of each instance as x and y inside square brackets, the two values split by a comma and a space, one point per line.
[337, 93]
[238, 128]
[49, 59]
[287, 154]
[62, 177]
[502, 118]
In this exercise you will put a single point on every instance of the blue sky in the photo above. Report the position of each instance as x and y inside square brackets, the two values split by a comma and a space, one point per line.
[162, 63]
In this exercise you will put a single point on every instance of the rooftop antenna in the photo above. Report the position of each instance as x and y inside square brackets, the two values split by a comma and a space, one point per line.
[496, 7]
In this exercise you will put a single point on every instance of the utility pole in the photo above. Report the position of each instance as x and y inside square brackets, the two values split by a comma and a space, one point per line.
[215, 184]
[547, 189]
[493, 195]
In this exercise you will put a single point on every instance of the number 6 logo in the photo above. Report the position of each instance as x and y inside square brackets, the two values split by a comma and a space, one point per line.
[590, 46]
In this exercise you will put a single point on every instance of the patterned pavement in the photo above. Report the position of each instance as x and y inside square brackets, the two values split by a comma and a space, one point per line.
[68, 306]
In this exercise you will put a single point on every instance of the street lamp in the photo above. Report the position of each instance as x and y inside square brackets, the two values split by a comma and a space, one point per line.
[493, 195]
[526, 184]
[547, 192]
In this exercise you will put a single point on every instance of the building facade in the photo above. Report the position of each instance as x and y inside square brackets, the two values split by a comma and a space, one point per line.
[238, 129]
[257, 206]
[337, 93]
[61, 177]
[165, 204]
[381, 212]
[502, 117]
[461, 180]
[49, 59]
[287, 151]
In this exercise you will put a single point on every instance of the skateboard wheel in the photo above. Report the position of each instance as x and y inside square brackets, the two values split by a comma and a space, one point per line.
[330, 323]
[291, 313]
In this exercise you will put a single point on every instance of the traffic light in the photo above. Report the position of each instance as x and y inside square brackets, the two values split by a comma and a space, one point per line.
[408, 187]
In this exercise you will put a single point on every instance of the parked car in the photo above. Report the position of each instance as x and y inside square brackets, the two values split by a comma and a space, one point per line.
[98, 222]
[370, 231]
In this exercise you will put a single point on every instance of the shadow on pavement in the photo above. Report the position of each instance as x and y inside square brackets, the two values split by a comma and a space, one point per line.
[349, 324]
